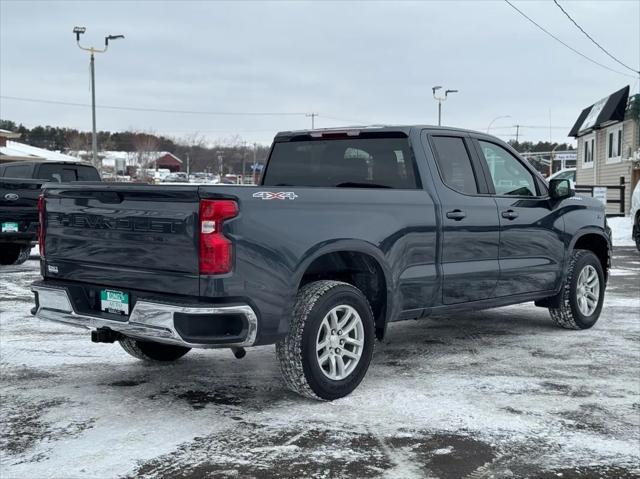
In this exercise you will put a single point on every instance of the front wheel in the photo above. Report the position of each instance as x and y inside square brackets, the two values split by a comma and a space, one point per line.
[150, 351]
[582, 293]
[330, 342]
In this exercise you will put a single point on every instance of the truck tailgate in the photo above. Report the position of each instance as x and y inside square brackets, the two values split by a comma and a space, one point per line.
[19, 200]
[124, 235]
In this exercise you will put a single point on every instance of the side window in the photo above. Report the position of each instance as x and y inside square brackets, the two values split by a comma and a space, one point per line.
[454, 164]
[510, 177]
[17, 171]
[87, 173]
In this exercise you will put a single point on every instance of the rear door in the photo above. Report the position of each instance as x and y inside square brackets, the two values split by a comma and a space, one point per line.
[127, 236]
[531, 247]
[470, 226]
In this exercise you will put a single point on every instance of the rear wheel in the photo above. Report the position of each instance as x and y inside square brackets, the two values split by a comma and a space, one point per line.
[14, 253]
[330, 342]
[582, 294]
[150, 351]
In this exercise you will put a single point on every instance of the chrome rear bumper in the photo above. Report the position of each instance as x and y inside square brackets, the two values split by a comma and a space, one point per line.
[148, 320]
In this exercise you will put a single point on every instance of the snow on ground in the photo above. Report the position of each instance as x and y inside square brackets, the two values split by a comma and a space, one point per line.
[621, 228]
[498, 393]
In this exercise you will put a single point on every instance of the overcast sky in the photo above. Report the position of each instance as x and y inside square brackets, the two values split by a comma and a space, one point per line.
[351, 62]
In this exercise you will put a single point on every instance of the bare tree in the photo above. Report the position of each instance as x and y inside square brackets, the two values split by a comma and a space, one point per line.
[145, 145]
[78, 142]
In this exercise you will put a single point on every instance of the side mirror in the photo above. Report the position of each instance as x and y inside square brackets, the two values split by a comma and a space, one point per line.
[560, 189]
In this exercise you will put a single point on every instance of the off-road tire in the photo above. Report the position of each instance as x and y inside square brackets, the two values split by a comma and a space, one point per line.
[14, 253]
[297, 351]
[568, 315]
[150, 351]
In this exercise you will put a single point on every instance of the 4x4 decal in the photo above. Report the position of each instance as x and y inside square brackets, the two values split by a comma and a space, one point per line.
[275, 195]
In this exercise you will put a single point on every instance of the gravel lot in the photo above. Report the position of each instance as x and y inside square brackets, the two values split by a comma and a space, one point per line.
[498, 393]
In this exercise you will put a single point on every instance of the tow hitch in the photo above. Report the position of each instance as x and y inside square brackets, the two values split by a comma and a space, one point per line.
[105, 335]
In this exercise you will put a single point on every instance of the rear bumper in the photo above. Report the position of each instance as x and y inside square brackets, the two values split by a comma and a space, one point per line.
[19, 238]
[193, 326]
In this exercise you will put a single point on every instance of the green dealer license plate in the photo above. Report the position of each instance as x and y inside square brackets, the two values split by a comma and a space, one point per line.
[9, 227]
[114, 301]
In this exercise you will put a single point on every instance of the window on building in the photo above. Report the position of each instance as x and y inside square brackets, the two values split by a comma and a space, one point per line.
[588, 148]
[614, 144]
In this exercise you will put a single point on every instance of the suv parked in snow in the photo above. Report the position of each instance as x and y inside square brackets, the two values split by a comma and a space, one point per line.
[20, 184]
[348, 231]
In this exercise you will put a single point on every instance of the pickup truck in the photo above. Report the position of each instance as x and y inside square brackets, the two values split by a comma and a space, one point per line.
[20, 184]
[348, 231]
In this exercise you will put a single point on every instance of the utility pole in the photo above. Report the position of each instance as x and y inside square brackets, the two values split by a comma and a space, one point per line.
[313, 119]
[220, 165]
[188, 165]
[255, 163]
[244, 159]
[517, 132]
[440, 99]
[94, 137]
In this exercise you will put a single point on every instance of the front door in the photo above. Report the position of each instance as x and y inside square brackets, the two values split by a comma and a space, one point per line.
[531, 248]
[470, 226]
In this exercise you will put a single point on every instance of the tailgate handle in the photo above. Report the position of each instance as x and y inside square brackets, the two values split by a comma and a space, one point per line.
[109, 197]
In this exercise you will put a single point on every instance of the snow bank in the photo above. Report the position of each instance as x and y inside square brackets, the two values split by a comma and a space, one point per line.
[621, 228]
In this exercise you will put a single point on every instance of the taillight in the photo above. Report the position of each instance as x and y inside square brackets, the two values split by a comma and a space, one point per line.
[41, 220]
[216, 250]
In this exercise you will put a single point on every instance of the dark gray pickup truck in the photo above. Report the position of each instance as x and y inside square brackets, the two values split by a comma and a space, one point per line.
[348, 231]
[20, 184]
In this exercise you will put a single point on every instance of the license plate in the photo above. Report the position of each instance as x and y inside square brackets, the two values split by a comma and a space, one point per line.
[112, 301]
[9, 227]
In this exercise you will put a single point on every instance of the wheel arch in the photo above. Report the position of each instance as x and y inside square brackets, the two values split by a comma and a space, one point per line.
[355, 262]
[596, 241]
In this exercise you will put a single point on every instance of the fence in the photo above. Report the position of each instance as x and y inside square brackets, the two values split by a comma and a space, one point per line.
[603, 193]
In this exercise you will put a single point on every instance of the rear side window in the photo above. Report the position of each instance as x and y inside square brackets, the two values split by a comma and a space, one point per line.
[454, 164]
[355, 163]
[57, 173]
[17, 171]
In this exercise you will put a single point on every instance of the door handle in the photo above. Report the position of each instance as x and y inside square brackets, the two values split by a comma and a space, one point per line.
[456, 215]
[509, 214]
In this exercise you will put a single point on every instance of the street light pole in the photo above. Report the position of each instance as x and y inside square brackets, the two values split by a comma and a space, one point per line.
[496, 119]
[440, 99]
[92, 50]
[94, 134]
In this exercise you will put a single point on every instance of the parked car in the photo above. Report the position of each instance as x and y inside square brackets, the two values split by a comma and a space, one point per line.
[565, 174]
[348, 231]
[178, 177]
[20, 184]
[635, 214]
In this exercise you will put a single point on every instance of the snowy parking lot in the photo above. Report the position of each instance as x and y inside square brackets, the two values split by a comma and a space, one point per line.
[498, 393]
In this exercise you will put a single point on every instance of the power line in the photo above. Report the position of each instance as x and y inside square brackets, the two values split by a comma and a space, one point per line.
[154, 110]
[546, 127]
[591, 38]
[560, 41]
